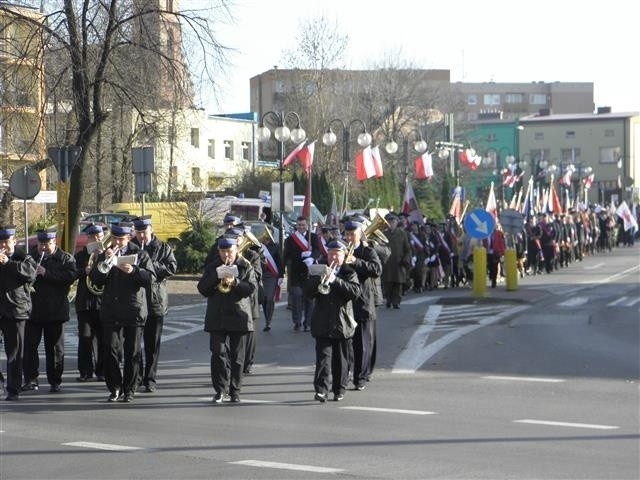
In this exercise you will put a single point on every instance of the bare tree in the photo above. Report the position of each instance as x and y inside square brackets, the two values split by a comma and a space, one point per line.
[119, 54]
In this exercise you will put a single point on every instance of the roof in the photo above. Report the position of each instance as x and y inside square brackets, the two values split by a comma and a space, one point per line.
[577, 117]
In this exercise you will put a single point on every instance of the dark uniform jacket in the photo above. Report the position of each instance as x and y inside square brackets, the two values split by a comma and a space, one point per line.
[50, 299]
[124, 300]
[15, 279]
[396, 268]
[296, 269]
[333, 313]
[228, 311]
[368, 267]
[85, 299]
[165, 265]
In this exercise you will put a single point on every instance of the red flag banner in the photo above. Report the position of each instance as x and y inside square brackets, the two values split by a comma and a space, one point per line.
[377, 161]
[292, 156]
[364, 164]
[410, 204]
[424, 167]
[492, 205]
[305, 155]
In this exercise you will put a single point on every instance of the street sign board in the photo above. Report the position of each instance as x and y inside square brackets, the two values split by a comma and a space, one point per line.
[64, 159]
[25, 183]
[512, 221]
[479, 224]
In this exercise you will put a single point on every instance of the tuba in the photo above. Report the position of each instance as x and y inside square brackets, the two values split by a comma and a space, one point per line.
[92, 259]
[267, 236]
[375, 227]
[248, 240]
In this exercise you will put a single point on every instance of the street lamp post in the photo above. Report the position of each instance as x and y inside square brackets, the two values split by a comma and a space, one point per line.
[329, 139]
[419, 145]
[281, 134]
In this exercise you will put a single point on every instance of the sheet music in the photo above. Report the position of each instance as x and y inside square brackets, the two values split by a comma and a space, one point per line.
[93, 246]
[131, 259]
[317, 269]
[227, 271]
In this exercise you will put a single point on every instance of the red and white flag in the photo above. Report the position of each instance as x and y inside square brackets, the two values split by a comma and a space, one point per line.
[294, 153]
[424, 167]
[305, 155]
[566, 178]
[365, 167]
[470, 158]
[377, 161]
[410, 204]
[492, 205]
[555, 206]
[588, 181]
[456, 203]
[627, 217]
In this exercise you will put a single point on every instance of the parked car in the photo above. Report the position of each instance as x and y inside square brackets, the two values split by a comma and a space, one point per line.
[81, 237]
[107, 218]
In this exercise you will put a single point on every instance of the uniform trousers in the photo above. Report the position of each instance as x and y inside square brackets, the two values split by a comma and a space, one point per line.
[332, 370]
[250, 348]
[122, 342]
[53, 348]
[152, 338]
[301, 307]
[90, 344]
[227, 360]
[13, 335]
[362, 351]
[393, 292]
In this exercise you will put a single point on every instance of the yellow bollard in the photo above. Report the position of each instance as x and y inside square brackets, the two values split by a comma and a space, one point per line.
[511, 267]
[479, 271]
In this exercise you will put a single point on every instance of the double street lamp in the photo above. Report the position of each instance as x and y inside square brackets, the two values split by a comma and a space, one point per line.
[330, 139]
[282, 134]
[419, 146]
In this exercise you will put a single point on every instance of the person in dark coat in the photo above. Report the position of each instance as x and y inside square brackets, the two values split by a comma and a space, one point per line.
[228, 318]
[55, 272]
[272, 273]
[165, 266]
[87, 302]
[300, 250]
[124, 309]
[395, 271]
[333, 322]
[17, 272]
[368, 267]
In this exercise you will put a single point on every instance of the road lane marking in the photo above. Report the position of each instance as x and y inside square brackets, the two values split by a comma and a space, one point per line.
[590, 284]
[407, 360]
[287, 466]
[566, 424]
[419, 300]
[593, 267]
[574, 302]
[417, 352]
[615, 302]
[242, 400]
[391, 410]
[525, 379]
[102, 446]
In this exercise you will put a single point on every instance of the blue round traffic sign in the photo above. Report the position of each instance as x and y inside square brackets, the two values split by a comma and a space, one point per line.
[479, 224]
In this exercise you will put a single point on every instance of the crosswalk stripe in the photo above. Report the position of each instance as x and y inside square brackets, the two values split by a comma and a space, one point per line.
[102, 446]
[574, 302]
[287, 466]
[391, 410]
[566, 424]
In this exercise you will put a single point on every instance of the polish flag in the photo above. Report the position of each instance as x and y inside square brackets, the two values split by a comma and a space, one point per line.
[555, 206]
[305, 155]
[410, 204]
[294, 153]
[566, 178]
[365, 167]
[456, 203]
[377, 161]
[424, 167]
[588, 181]
[492, 205]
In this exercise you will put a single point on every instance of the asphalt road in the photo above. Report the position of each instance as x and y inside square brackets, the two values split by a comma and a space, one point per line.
[537, 383]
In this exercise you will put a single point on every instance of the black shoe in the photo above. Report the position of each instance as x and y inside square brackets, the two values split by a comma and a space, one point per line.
[84, 378]
[114, 396]
[29, 386]
[151, 388]
[12, 397]
[360, 387]
[248, 370]
[55, 388]
[128, 398]
[306, 328]
[388, 305]
[396, 306]
[321, 397]
[100, 378]
[234, 398]
[338, 397]
[266, 329]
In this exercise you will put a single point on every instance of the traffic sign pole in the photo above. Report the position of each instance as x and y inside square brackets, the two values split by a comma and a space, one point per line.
[479, 271]
[511, 267]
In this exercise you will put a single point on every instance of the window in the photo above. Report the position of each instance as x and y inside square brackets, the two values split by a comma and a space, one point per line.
[195, 177]
[610, 154]
[246, 151]
[537, 99]
[569, 134]
[609, 133]
[570, 155]
[492, 99]
[228, 150]
[211, 148]
[491, 137]
[514, 98]
[538, 136]
[195, 137]
[472, 99]
[472, 116]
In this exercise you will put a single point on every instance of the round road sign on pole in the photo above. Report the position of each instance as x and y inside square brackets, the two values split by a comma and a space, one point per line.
[479, 224]
[25, 183]
[512, 221]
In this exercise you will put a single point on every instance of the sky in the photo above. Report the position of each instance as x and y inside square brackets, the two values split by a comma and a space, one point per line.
[478, 41]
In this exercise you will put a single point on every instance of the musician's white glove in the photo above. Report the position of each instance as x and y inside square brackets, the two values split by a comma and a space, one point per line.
[308, 261]
[305, 254]
[279, 282]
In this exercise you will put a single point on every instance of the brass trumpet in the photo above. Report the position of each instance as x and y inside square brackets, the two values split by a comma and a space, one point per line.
[224, 286]
[325, 285]
[105, 266]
